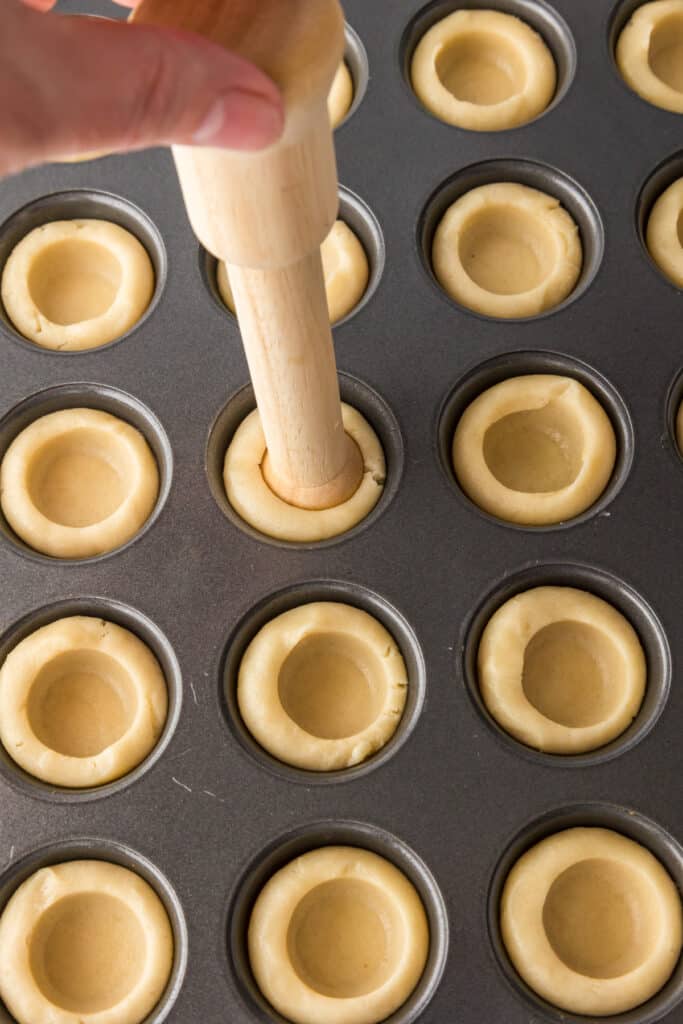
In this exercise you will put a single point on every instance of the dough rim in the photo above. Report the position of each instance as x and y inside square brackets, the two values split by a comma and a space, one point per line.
[662, 238]
[555, 287]
[524, 937]
[632, 55]
[272, 912]
[518, 109]
[25, 661]
[258, 681]
[55, 539]
[525, 393]
[500, 662]
[47, 886]
[132, 299]
[341, 95]
[261, 508]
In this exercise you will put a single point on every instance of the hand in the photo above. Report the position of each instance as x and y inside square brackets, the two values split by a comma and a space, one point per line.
[72, 85]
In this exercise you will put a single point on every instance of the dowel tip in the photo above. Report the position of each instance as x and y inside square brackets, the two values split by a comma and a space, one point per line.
[327, 495]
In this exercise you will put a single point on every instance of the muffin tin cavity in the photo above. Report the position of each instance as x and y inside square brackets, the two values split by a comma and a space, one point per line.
[49, 486]
[523, 240]
[585, 709]
[493, 62]
[628, 932]
[298, 596]
[356, 60]
[58, 270]
[357, 216]
[325, 834]
[77, 986]
[647, 42]
[659, 219]
[106, 720]
[356, 394]
[503, 432]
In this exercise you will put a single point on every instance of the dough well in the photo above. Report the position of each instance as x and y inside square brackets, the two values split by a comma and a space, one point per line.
[534, 450]
[338, 936]
[82, 702]
[322, 686]
[649, 53]
[82, 942]
[664, 234]
[77, 483]
[561, 670]
[483, 70]
[77, 284]
[591, 921]
[507, 250]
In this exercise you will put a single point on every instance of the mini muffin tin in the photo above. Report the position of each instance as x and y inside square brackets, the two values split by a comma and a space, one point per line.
[451, 800]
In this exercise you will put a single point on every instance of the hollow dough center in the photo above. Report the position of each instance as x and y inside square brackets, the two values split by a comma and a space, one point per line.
[73, 280]
[571, 674]
[506, 251]
[80, 703]
[535, 451]
[74, 479]
[87, 952]
[329, 686]
[480, 67]
[342, 938]
[598, 918]
[665, 54]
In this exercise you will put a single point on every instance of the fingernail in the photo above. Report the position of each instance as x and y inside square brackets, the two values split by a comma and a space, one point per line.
[240, 120]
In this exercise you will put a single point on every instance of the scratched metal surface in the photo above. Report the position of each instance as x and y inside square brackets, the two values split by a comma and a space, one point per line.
[454, 792]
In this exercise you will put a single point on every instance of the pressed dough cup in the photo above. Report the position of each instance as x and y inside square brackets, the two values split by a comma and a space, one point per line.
[507, 250]
[81, 943]
[483, 70]
[338, 936]
[341, 95]
[664, 233]
[322, 686]
[534, 450]
[591, 921]
[78, 483]
[77, 284]
[82, 702]
[561, 670]
[649, 53]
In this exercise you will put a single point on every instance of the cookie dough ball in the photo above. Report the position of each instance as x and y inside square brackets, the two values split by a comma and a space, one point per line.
[322, 686]
[81, 942]
[507, 250]
[82, 702]
[345, 269]
[77, 483]
[649, 54]
[258, 505]
[664, 234]
[591, 921]
[483, 70]
[77, 284]
[338, 936]
[534, 450]
[561, 670]
[340, 96]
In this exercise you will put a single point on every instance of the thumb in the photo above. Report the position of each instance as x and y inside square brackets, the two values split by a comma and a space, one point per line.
[75, 84]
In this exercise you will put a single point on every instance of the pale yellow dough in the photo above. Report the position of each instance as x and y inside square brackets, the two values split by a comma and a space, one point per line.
[534, 450]
[84, 942]
[561, 670]
[77, 483]
[665, 232]
[483, 70]
[253, 500]
[591, 921]
[82, 702]
[338, 936]
[507, 250]
[650, 53]
[322, 686]
[340, 96]
[77, 284]
[345, 269]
